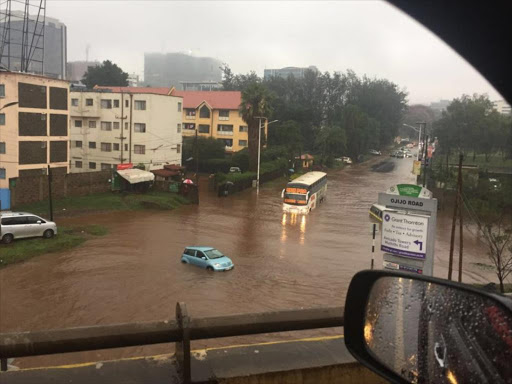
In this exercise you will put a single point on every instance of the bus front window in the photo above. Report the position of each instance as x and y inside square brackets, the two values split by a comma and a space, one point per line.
[295, 198]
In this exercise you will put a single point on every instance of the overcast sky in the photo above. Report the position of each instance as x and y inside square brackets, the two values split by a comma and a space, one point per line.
[369, 37]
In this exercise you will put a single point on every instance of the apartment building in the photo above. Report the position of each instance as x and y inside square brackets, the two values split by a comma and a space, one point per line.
[114, 125]
[215, 114]
[33, 127]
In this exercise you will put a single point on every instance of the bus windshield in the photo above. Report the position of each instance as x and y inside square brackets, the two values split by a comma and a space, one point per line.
[294, 196]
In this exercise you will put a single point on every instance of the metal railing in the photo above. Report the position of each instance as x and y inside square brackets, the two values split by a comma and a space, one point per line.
[181, 331]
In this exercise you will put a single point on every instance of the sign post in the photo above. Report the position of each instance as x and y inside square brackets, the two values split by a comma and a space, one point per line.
[408, 228]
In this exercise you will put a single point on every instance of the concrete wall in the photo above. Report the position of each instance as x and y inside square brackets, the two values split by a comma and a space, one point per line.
[35, 188]
[162, 140]
[53, 103]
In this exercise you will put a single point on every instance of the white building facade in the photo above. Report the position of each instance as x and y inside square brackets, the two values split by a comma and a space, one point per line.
[109, 128]
[502, 107]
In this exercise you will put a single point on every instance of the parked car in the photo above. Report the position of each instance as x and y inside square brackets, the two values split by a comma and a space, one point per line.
[235, 170]
[346, 160]
[374, 152]
[19, 225]
[494, 184]
[400, 155]
[208, 258]
[408, 154]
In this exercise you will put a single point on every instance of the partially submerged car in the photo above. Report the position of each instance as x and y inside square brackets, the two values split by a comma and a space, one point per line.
[208, 258]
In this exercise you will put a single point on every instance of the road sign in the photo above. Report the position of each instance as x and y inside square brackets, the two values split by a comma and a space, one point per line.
[404, 235]
[408, 236]
[411, 190]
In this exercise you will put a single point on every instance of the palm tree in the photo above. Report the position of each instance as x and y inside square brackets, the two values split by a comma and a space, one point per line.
[256, 101]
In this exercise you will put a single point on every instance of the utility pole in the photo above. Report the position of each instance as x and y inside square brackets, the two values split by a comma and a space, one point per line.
[454, 221]
[196, 150]
[425, 153]
[461, 237]
[130, 129]
[50, 191]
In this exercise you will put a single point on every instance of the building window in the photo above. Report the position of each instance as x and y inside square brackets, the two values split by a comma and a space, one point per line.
[139, 149]
[190, 126]
[106, 126]
[224, 114]
[116, 103]
[179, 128]
[179, 106]
[127, 103]
[204, 112]
[116, 147]
[89, 102]
[78, 164]
[126, 147]
[244, 128]
[2, 118]
[74, 102]
[92, 123]
[228, 143]
[105, 167]
[140, 105]
[178, 148]
[106, 104]
[78, 144]
[204, 128]
[189, 112]
[139, 127]
[106, 147]
[224, 129]
[116, 124]
[92, 144]
[2, 90]
[78, 123]
[125, 125]
[242, 143]
[2, 173]
[92, 165]
[2, 148]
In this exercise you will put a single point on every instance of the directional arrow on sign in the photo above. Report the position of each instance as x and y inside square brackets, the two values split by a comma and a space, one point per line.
[420, 243]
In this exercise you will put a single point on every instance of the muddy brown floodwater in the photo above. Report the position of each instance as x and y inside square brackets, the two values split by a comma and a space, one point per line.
[134, 273]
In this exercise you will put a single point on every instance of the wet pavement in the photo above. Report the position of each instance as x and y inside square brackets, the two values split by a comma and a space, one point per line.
[281, 261]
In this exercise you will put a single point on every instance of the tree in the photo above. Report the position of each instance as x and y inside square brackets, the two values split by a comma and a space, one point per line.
[415, 114]
[207, 147]
[331, 141]
[105, 74]
[256, 102]
[287, 134]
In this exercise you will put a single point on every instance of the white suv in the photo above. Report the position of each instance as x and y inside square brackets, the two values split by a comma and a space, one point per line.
[18, 225]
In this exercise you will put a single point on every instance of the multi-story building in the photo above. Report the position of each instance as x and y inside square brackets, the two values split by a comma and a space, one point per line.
[77, 69]
[55, 45]
[33, 127]
[114, 125]
[297, 72]
[215, 114]
[171, 69]
[502, 107]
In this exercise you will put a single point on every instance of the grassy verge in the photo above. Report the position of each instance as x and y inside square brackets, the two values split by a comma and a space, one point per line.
[106, 202]
[67, 238]
[495, 160]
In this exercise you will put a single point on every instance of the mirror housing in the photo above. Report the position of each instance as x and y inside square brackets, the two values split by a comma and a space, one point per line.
[39, 221]
[282, 193]
[204, 258]
[403, 329]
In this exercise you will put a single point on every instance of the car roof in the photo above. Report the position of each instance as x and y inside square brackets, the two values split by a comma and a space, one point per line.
[200, 248]
[9, 214]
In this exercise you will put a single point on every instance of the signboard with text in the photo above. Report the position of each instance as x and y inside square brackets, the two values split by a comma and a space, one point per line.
[404, 235]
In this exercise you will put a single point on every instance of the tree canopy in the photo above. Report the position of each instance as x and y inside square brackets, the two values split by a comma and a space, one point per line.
[107, 73]
[334, 114]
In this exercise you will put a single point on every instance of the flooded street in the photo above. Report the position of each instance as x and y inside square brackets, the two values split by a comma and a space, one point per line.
[134, 273]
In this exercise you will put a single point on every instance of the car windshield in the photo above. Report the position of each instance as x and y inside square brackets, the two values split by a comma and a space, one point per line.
[213, 254]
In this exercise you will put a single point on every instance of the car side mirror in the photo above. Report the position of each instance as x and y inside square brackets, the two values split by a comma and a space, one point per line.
[38, 221]
[416, 329]
[282, 194]
[204, 258]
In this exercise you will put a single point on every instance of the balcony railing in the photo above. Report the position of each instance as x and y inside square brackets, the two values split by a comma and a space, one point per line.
[224, 118]
[182, 331]
[188, 117]
[225, 133]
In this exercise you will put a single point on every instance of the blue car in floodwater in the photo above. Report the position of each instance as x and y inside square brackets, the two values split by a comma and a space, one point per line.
[207, 257]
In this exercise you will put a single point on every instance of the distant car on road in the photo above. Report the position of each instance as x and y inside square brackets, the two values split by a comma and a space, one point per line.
[374, 152]
[208, 258]
[400, 155]
[235, 170]
[19, 225]
[346, 160]
[494, 184]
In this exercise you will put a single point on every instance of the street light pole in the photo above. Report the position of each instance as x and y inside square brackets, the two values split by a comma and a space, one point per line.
[259, 149]
[419, 137]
